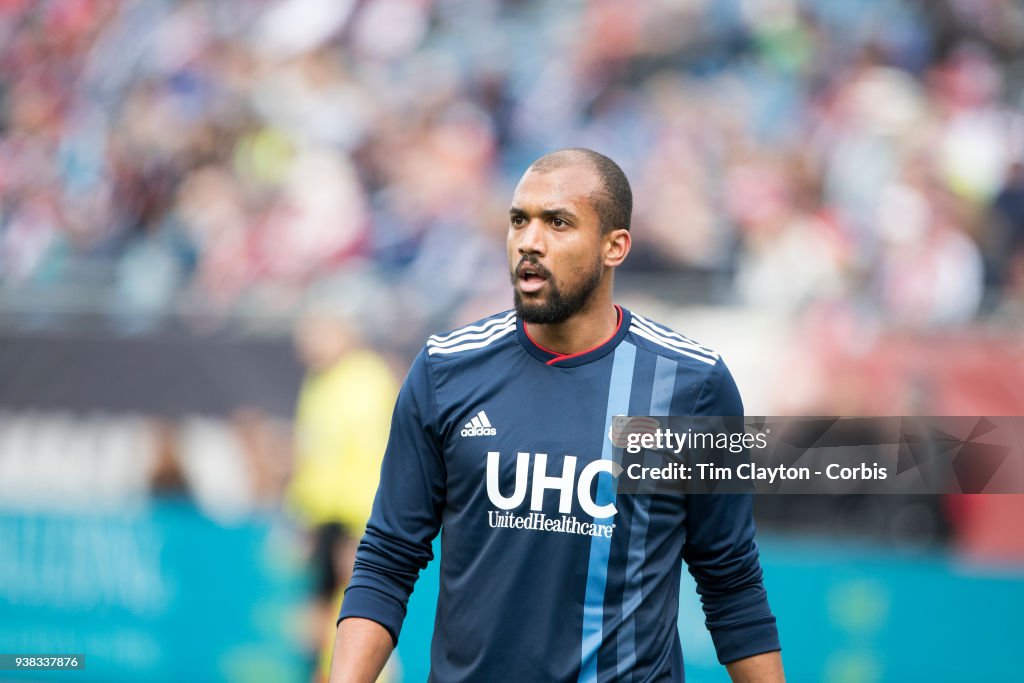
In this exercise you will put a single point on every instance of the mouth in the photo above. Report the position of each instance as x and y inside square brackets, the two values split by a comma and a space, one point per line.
[531, 277]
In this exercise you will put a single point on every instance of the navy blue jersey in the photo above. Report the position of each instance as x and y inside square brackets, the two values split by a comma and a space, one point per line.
[546, 574]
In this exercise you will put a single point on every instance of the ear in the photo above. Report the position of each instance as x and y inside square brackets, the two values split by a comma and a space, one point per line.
[616, 245]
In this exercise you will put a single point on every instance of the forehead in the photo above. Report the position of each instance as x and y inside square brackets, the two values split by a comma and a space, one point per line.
[567, 187]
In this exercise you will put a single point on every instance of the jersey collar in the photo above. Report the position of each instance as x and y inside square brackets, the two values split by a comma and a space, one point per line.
[571, 360]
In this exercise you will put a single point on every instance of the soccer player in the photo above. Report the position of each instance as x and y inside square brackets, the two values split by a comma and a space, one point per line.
[500, 441]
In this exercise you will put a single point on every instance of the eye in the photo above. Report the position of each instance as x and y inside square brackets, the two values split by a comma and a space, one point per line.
[558, 222]
[518, 220]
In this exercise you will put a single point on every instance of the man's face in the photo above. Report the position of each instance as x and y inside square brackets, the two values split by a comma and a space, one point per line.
[554, 244]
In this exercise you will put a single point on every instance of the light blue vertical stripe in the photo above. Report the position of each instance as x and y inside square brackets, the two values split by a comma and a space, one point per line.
[661, 405]
[597, 571]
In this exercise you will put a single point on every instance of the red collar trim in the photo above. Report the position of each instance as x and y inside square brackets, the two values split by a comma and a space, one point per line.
[566, 356]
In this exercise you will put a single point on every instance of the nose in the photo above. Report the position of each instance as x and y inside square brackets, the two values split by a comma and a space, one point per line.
[531, 238]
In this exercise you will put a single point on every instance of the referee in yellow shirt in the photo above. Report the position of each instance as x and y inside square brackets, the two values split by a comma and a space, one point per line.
[341, 426]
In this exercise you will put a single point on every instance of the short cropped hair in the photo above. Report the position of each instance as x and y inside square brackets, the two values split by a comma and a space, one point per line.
[614, 202]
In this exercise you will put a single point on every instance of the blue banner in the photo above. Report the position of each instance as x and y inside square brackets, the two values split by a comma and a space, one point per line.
[163, 594]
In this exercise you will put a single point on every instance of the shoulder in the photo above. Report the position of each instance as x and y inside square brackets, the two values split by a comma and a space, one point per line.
[473, 339]
[713, 388]
[367, 370]
[364, 362]
[661, 340]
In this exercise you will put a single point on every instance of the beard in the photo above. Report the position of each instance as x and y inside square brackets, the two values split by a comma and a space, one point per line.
[560, 306]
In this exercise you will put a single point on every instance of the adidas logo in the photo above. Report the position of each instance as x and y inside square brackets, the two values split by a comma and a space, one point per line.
[479, 426]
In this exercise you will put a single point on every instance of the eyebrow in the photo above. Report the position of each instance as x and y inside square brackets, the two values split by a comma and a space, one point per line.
[547, 213]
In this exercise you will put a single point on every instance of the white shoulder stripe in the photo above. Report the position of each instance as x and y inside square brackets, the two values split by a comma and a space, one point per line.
[670, 344]
[669, 335]
[498, 334]
[474, 328]
[641, 332]
[472, 336]
[666, 332]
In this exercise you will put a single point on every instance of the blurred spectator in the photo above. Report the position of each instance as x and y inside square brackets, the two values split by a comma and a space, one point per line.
[1006, 228]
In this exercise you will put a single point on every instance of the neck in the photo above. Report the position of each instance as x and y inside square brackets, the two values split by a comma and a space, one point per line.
[591, 327]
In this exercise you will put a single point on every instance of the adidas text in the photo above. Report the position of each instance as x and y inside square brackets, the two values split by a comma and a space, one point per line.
[478, 431]
[479, 426]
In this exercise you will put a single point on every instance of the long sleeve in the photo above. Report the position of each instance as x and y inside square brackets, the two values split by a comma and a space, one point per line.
[721, 553]
[407, 509]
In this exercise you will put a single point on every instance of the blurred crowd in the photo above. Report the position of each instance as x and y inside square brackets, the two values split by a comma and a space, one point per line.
[167, 156]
